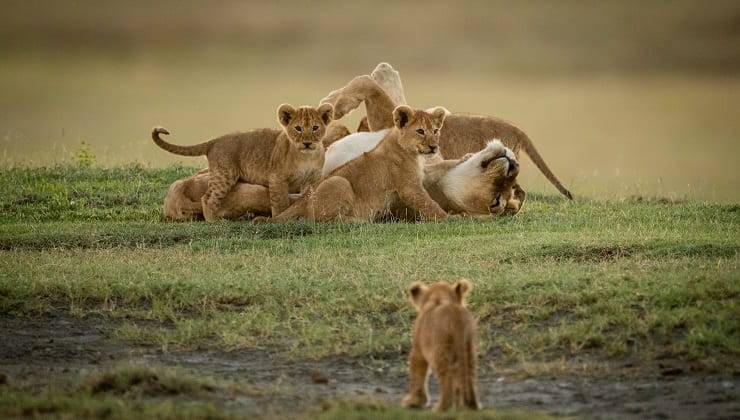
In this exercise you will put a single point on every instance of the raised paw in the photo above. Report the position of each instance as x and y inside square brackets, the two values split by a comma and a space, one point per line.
[347, 98]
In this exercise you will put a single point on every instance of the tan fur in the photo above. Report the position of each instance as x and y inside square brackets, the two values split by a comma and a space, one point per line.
[462, 134]
[445, 342]
[183, 200]
[334, 131]
[492, 189]
[284, 160]
[364, 188]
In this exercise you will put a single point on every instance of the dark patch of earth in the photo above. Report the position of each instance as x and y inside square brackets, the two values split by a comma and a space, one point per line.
[39, 349]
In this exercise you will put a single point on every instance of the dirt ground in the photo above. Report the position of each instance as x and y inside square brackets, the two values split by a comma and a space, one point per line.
[38, 349]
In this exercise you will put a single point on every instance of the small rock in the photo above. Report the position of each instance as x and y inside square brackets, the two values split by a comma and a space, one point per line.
[500, 379]
[319, 378]
[667, 370]
[727, 384]
[380, 390]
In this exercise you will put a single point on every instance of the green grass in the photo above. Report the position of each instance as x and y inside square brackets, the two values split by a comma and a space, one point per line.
[124, 392]
[639, 278]
[128, 391]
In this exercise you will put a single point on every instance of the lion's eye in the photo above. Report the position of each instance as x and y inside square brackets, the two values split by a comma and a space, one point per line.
[420, 131]
[436, 130]
[315, 127]
[298, 128]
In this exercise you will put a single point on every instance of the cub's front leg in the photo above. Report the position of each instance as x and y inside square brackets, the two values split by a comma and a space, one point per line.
[279, 193]
[413, 194]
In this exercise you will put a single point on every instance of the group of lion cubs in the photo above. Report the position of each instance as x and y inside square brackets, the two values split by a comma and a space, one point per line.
[403, 163]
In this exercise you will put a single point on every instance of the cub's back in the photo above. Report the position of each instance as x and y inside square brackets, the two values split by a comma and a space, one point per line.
[464, 133]
[250, 151]
[444, 328]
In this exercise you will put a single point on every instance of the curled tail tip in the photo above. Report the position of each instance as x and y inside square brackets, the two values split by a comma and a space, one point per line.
[568, 194]
[159, 130]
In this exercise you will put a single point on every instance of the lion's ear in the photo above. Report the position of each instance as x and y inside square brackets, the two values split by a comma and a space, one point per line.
[402, 116]
[416, 291]
[462, 287]
[326, 110]
[438, 116]
[285, 113]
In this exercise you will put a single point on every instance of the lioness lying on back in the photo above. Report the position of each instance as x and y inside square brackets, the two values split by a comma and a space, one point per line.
[284, 160]
[462, 134]
[365, 187]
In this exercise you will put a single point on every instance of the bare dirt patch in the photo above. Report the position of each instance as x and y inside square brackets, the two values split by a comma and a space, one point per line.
[40, 349]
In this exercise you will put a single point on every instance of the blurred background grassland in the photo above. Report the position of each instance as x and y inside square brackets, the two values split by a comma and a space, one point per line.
[621, 98]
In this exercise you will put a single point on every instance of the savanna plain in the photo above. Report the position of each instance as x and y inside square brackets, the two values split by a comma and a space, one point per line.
[620, 304]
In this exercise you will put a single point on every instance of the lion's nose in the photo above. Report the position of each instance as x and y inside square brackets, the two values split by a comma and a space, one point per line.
[433, 149]
[513, 167]
[306, 144]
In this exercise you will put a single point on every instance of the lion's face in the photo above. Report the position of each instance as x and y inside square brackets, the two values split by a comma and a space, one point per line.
[423, 297]
[500, 168]
[419, 130]
[305, 126]
[484, 182]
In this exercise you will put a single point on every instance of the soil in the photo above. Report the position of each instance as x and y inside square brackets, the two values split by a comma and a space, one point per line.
[39, 349]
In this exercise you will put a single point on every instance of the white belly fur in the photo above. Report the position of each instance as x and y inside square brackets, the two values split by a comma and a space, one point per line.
[350, 147]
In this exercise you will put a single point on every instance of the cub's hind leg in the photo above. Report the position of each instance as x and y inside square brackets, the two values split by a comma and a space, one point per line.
[333, 199]
[220, 183]
[446, 379]
[418, 378]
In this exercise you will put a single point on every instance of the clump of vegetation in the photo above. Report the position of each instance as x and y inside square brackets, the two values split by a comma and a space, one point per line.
[145, 381]
[84, 157]
[125, 391]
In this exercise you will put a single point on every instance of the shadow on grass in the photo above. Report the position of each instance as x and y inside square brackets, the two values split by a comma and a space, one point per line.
[137, 234]
[601, 253]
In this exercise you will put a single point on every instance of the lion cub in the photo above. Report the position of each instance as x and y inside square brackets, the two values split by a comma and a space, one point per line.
[444, 339]
[283, 160]
[365, 188]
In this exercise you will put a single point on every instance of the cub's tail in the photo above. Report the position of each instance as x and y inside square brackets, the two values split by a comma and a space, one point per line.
[196, 150]
[540, 163]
